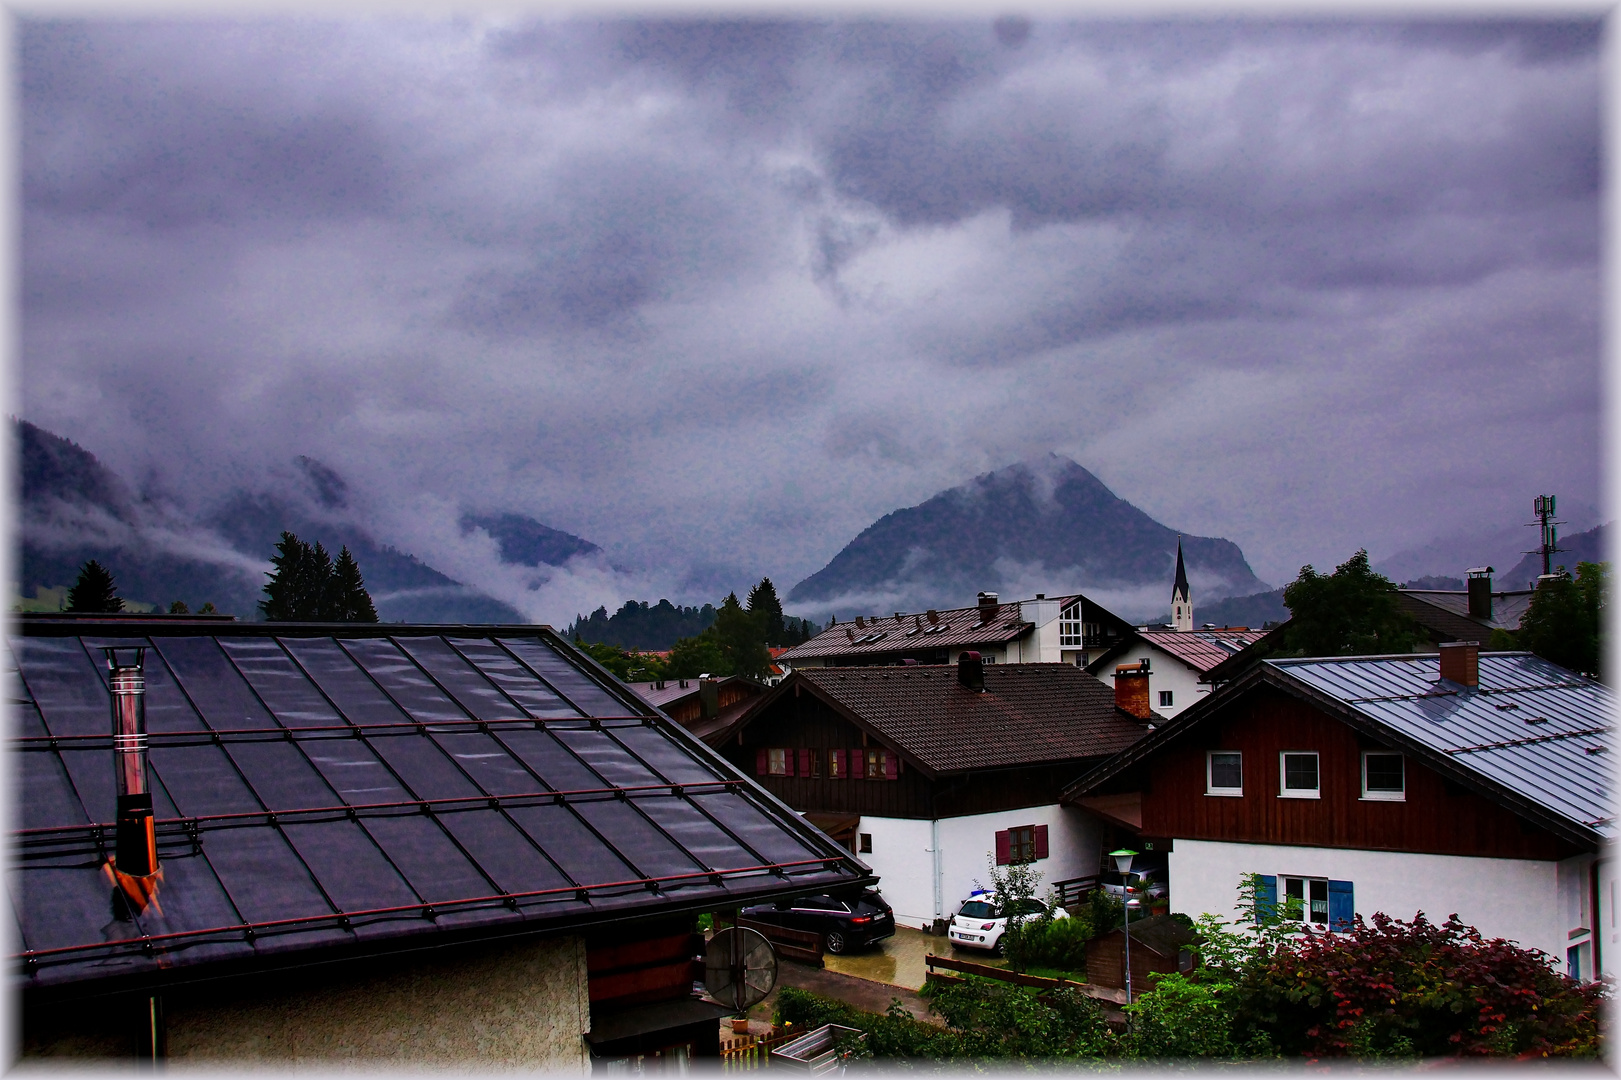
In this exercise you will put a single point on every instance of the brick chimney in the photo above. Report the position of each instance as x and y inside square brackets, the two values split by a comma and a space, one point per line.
[709, 697]
[971, 672]
[1480, 592]
[1460, 662]
[1131, 689]
[987, 606]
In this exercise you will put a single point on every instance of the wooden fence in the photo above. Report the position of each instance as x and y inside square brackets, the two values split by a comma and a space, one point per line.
[1074, 890]
[799, 945]
[1017, 978]
[753, 1052]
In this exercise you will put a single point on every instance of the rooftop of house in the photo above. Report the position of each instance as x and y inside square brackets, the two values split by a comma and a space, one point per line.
[1531, 735]
[1028, 714]
[1438, 604]
[345, 790]
[1200, 650]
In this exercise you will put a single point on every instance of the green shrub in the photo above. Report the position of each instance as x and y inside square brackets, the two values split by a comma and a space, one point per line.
[1050, 943]
[1182, 1017]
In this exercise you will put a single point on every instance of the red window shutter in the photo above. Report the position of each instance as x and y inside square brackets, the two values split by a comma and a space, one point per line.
[804, 762]
[761, 766]
[1004, 852]
[787, 763]
[891, 765]
[844, 763]
[1041, 841]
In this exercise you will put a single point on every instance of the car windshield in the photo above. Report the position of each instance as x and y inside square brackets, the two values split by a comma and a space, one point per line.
[977, 909]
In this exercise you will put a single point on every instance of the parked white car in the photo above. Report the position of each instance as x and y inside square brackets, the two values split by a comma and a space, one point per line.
[977, 926]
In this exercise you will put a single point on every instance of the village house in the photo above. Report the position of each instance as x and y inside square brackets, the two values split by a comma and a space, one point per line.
[932, 772]
[279, 844]
[702, 705]
[1464, 782]
[1061, 630]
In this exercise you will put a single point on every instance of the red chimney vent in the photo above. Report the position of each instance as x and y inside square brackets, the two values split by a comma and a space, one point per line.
[1131, 689]
[971, 671]
[1460, 662]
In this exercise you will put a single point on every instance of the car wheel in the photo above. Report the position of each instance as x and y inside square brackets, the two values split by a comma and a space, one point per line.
[836, 942]
[998, 950]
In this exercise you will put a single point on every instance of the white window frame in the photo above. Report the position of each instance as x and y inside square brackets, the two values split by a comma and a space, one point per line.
[776, 761]
[1286, 792]
[1167, 699]
[1383, 796]
[1071, 632]
[1210, 787]
[1306, 914]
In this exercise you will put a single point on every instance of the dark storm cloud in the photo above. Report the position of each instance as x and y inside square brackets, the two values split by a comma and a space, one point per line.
[715, 294]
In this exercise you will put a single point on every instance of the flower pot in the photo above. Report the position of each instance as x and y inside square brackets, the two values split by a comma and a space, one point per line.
[740, 1025]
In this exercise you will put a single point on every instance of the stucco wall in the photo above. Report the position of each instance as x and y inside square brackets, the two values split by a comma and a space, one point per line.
[1517, 899]
[519, 1005]
[901, 855]
[1166, 672]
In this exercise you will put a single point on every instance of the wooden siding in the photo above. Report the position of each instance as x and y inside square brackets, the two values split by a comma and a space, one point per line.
[803, 720]
[1437, 817]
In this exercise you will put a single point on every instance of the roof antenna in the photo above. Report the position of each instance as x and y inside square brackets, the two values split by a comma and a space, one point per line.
[1542, 507]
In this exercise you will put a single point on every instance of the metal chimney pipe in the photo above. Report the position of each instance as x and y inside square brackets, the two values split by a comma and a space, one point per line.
[136, 850]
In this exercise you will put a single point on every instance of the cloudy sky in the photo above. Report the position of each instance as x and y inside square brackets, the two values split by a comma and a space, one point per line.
[716, 295]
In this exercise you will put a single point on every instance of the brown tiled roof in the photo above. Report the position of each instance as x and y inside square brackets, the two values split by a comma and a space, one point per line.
[1448, 612]
[1201, 649]
[1029, 713]
[960, 626]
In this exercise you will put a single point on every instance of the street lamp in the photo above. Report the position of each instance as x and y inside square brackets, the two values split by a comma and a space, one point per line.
[1122, 863]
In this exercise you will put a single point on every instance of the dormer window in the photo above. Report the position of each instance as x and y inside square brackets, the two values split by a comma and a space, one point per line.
[1071, 632]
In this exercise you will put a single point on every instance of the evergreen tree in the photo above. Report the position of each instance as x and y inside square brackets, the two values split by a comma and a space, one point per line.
[741, 639]
[1565, 621]
[350, 600]
[95, 591]
[700, 654]
[1351, 612]
[320, 599]
[286, 593]
[767, 611]
[179, 608]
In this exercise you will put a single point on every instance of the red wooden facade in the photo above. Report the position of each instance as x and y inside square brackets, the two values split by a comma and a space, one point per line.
[804, 724]
[1436, 817]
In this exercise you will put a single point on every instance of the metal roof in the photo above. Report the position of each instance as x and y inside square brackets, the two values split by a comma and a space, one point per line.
[1531, 727]
[1200, 650]
[352, 788]
[1507, 607]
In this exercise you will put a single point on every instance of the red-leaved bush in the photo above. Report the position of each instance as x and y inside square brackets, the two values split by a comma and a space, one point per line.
[1416, 989]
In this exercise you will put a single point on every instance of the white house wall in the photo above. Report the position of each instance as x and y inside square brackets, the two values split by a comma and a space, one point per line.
[1165, 672]
[902, 857]
[1518, 899]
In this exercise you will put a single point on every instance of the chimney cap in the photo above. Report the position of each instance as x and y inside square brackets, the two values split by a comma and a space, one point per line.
[1479, 571]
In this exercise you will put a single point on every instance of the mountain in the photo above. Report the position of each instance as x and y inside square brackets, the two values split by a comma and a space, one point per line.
[74, 509]
[1583, 547]
[1046, 525]
[523, 541]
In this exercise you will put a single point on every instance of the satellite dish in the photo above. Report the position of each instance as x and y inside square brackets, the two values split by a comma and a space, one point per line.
[740, 967]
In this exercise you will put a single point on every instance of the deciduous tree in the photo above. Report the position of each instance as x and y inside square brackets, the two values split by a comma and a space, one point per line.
[1351, 612]
[1565, 621]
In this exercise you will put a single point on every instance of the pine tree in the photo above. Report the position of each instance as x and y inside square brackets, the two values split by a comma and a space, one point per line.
[287, 593]
[179, 608]
[95, 590]
[767, 610]
[741, 640]
[319, 597]
[350, 600]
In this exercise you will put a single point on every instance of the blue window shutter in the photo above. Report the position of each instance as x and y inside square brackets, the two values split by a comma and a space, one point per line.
[1341, 905]
[1266, 896]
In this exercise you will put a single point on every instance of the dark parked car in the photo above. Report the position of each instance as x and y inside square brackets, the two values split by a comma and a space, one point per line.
[843, 924]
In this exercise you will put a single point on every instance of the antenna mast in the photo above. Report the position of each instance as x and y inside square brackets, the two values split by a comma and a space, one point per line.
[1543, 507]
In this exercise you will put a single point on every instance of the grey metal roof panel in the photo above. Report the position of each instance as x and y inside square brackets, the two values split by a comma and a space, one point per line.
[330, 788]
[1531, 726]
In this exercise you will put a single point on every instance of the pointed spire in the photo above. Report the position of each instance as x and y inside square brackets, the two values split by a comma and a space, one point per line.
[1180, 587]
[1181, 603]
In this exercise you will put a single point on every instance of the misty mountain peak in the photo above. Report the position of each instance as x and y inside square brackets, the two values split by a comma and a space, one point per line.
[523, 541]
[330, 489]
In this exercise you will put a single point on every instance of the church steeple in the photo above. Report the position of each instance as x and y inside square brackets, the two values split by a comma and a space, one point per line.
[1181, 603]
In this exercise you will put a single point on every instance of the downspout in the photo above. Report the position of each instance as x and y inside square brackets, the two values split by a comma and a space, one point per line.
[934, 840]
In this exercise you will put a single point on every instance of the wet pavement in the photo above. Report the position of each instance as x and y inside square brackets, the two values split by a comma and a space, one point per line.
[902, 960]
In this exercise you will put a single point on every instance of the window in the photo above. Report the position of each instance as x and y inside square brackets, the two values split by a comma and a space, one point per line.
[1298, 775]
[866, 843]
[1021, 844]
[1070, 632]
[1165, 698]
[1224, 772]
[1321, 901]
[835, 764]
[1383, 777]
[875, 765]
[815, 757]
[1306, 898]
[776, 762]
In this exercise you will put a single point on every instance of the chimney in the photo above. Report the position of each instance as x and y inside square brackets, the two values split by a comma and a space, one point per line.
[1480, 592]
[987, 606]
[850, 634]
[861, 624]
[1131, 689]
[136, 844]
[1460, 662]
[933, 616]
[709, 697]
[971, 672]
